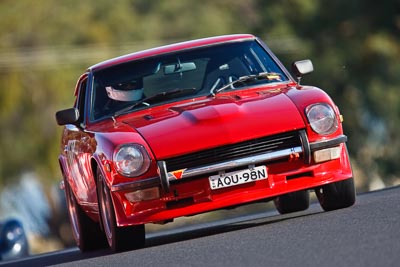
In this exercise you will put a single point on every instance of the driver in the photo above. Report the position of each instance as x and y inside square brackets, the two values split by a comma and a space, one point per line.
[126, 92]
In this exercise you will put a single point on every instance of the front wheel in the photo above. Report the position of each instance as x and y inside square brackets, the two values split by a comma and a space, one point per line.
[337, 195]
[86, 232]
[292, 202]
[119, 238]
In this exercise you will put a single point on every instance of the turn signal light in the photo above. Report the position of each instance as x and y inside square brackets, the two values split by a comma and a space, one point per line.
[143, 194]
[326, 154]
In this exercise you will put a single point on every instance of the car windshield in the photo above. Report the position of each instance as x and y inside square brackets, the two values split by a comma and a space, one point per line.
[183, 74]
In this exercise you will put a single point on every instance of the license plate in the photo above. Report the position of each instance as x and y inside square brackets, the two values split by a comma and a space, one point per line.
[238, 177]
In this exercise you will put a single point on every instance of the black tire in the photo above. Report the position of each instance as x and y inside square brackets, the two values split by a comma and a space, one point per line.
[292, 202]
[86, 232]
[119, 238]
[336, 195]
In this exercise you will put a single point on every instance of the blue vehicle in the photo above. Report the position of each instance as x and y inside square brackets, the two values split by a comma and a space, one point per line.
[13, 240]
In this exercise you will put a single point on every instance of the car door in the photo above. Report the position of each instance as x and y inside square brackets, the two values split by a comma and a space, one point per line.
[79, 150]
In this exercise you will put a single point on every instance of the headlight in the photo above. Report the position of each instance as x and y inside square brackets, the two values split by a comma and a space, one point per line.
[322, 118]
[131, 160]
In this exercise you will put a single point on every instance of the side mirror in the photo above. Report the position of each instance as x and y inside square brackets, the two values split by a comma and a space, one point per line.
[67, 116]
[300, 68]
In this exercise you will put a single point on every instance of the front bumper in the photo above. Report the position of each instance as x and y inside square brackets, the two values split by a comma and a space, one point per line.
[187, 192]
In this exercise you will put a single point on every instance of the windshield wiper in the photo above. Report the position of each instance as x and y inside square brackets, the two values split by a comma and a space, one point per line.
[270, 76]
[159, 95]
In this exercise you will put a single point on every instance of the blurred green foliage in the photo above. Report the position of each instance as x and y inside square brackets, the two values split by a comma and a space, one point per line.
[45, 45]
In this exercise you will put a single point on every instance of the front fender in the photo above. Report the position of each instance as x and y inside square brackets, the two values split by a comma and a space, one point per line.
[107, 143]
[302, 97]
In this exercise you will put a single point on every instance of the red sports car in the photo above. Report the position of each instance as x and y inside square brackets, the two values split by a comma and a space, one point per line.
[194, 127]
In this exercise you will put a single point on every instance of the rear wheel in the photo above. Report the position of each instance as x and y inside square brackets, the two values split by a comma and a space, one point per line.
[336, 195]
[292, 202]
[119, 238]
[86, 232]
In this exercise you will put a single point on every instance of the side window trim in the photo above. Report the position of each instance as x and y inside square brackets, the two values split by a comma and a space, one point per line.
[81, 97]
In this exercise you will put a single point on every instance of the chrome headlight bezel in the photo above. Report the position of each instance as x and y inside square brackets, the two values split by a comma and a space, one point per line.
[322, 118]
[131, 160]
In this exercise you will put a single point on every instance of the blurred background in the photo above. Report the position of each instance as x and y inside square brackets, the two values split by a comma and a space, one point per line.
[45, 45]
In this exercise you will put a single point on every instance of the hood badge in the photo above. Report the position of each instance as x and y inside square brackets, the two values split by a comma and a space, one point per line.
[178, 173]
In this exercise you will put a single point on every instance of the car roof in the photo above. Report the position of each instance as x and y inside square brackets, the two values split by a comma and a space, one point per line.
[171, 48]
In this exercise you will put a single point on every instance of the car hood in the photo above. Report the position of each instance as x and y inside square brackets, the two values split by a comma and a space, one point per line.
[217, 121]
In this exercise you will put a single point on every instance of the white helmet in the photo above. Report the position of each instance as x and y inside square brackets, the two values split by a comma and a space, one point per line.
[130, 91]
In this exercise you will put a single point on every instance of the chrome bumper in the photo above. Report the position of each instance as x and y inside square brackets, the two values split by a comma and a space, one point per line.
[166, 176]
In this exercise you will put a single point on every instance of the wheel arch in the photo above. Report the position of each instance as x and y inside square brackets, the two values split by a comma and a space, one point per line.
[93, 165]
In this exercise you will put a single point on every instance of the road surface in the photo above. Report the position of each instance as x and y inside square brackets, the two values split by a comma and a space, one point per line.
[367, 234]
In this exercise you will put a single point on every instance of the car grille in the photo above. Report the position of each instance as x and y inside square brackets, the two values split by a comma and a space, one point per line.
[235, 151]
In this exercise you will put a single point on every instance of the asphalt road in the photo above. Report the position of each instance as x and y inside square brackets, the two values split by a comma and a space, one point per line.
[367, 234]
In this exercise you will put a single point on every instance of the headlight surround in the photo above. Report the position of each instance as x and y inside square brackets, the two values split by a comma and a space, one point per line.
[322, 118]
[131, 160]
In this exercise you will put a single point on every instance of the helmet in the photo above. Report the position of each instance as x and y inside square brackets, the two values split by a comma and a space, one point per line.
[128, 91]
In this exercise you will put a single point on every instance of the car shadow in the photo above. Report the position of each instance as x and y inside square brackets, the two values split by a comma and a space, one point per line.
[224, 226]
